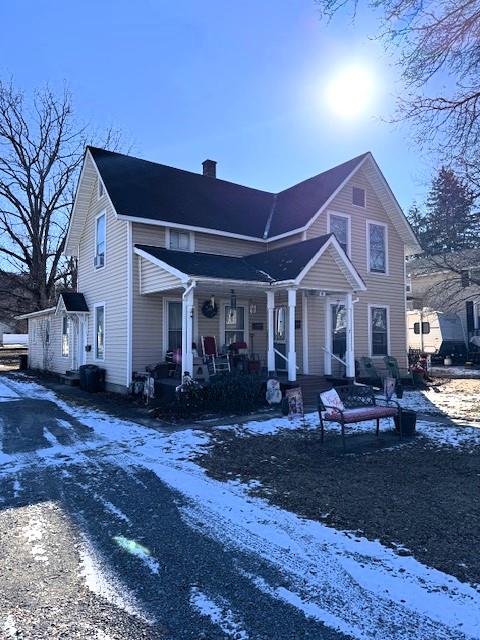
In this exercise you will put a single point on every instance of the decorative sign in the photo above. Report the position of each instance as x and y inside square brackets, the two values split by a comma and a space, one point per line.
[295, 402]
[389, 388]
[257, 326]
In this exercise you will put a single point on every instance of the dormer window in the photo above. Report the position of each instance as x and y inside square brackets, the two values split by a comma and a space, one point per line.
[100, 238]
[358, 197]
[179, 240]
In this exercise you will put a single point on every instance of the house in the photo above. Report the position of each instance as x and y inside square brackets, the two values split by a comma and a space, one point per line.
[310, 278]
[448, 283]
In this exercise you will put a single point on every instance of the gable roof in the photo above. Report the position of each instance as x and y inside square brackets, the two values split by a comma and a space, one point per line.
[144, 191]
[286, 264]
[72, 302]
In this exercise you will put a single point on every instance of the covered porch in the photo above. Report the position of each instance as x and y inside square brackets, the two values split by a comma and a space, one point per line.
[293, 312]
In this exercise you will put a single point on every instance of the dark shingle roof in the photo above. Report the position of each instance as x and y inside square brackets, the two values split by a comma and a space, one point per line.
[144, 189]
[207, 265]
[74, 301]
[285, 263]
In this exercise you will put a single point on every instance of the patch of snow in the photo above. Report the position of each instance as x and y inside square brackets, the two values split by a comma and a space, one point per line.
[9, 627]
[99, 579]
[220, 614]
[454, 372]
[16, 488]
[139, 551]
[111, 508]
[33, 533]
[49, 437]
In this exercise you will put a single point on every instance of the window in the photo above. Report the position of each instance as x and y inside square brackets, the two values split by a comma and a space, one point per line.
[379, 331]
[425, 328]
[280, 324]
[465, 278]
[339, 330]
[100, 241]
[100, 332]
[101, 189]
[174, 326]
[377, 247]
[179, 240]
[358, 196]
[234, 325]
[65, 336]
[340, 226]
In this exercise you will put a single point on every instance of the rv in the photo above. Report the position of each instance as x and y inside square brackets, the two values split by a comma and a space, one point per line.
[438, 334]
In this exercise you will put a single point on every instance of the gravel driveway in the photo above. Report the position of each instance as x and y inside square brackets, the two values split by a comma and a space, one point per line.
[111, 531]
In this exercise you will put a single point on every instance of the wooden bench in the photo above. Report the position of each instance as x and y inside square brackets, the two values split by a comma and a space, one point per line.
[360, 405]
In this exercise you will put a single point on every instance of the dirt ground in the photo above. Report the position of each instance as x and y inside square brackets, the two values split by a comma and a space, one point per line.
[416, 497]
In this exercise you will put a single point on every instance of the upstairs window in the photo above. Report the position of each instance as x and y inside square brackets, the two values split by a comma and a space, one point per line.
[101, 189]
[65, 337]
[358, 197]
[100, 230]
[179, 240]
[377, 247]
[340, 226]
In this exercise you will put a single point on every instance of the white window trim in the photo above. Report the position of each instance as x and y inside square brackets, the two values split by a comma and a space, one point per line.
[225, 302]
[65, 355]
[349, 231]
[191, 241]
[359, 206]
[368, 223]
[166, 300]
[99, 215]
[94, 345]
[100, 189]
[370, 349]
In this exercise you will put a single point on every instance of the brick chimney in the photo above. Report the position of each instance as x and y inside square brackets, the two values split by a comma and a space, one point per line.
[209, 168]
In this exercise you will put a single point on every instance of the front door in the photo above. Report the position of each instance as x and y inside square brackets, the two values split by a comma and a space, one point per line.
[82, 335]
[174, 326]
[280, 337]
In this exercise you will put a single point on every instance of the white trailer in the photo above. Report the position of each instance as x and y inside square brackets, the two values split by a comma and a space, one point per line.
[436, 333]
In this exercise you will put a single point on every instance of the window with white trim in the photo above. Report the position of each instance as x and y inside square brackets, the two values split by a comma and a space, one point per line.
[379, 331]
[100, 240]
[179, 240]
[65, 337]
[101, 189]
[358, 196]
[99, 332]
[234, 324]
[377, 247]
[340, 227]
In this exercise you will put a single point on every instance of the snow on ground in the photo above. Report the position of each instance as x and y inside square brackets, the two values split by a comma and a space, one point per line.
[349, 583]
[9, 627]
[33, 534]
[457, 399]
[219, 612]
[454, 372]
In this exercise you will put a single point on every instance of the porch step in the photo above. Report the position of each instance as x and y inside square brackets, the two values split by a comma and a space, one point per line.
[71, 378]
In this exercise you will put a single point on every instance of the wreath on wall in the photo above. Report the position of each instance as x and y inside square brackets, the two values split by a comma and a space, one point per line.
[209, 310]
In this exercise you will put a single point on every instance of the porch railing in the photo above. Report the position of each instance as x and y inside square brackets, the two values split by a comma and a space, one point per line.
[334, 356]
[284, 357]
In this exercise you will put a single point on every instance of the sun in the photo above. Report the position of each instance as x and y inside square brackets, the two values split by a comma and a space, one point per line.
[350, 91]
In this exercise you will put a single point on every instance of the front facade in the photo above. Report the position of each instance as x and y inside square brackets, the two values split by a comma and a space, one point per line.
[310, 278]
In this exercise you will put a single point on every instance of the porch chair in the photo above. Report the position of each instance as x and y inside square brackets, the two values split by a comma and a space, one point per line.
[393, 369]
[372, 376]
[218, 363]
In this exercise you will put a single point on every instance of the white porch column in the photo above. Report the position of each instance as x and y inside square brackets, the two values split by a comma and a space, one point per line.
[292, 355]
[327, 358]
[187, 331]
[270, 331]
[350, 350]
[305, 332]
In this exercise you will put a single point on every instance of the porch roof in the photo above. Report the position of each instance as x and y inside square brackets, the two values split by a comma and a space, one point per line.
[73, 302]
[285, 264]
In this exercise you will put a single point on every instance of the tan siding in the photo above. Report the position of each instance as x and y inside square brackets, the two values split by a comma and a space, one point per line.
[326, 274]
[154, 278]
[276, 244]
[108, 285]
[381, 289]
[222, 245]
[148, 234]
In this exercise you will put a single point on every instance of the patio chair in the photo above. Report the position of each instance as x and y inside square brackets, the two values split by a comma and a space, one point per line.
[371, 376]
[218, 363]
[394, 371]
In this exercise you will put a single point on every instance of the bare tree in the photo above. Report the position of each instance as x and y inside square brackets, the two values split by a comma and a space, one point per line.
[437, 43]
[41, 150]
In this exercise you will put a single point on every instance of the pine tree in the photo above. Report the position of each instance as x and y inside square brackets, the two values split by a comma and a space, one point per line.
[418, 222]
[449, 222]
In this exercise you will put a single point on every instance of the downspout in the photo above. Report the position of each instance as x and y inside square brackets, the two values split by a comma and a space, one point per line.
[129, 304]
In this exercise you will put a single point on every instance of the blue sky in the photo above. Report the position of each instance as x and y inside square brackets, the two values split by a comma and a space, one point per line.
[239, 82]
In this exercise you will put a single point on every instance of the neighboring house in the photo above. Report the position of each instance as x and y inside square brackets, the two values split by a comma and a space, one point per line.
[449, 283]
[315, 273]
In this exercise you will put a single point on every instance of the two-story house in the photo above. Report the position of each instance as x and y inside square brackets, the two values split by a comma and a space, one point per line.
[309, 278]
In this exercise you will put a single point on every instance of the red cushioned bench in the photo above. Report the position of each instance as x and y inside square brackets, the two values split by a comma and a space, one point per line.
[358, 403]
